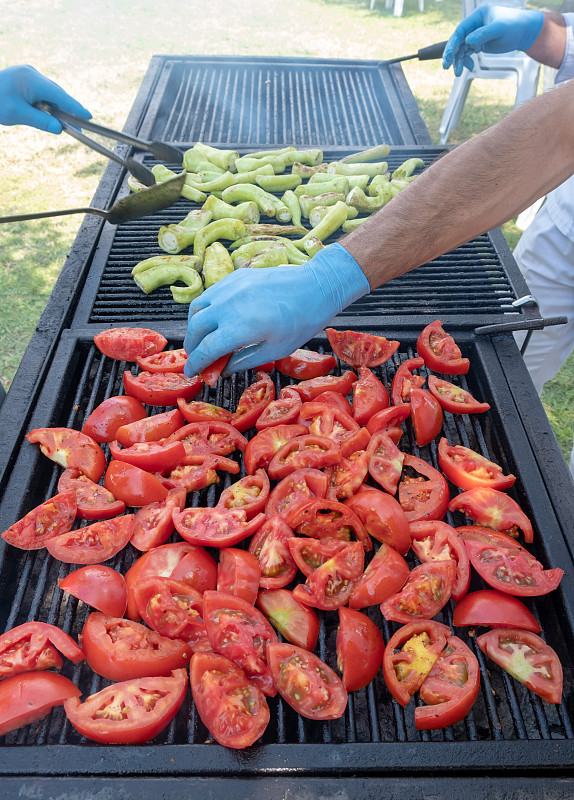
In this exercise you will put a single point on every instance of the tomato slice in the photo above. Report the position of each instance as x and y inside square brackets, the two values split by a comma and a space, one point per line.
[173, 609]
[253, 401]
[433, 540]
[198, 411]
[215, 527]
[100, 587]
[494, 610]
[404, 381]
[105, 419]
[423, 497]
[440, 352]
[331, 584]
[36, 646]
[270, 547]
[385, 462]
[526, 657]
[161, 388]
[309, 685]
[369, 396]
[210, 375]
[93, 544]
[132, 485]
[454, 398]
[303, 452]
[166, 361]
[119, 649]
[208, 438]
[382, 517]
[151, 429]
[238, 630]
[388, 420]
[294, 491]
[426, 592]
[283, 411]
[330, 398]
[261, 449]
[51, 518]
[130, 712]
[320, 518]
[250, 494]
[490, 508]
[93, 501]
[328, 421]
[150, 456]
[426, 415]
[238, 573]
[468, 469]
[360, 649]
[198, 475]
[310, 554]
[359, 349]
[409, 657]
[126, 344]
[450, 689]
[31, 696]
[385, 575]
[232, 708]
[153, 523]
[309, 390]
[70, 448]
[306, 364]
[295, 621]
[347, 477]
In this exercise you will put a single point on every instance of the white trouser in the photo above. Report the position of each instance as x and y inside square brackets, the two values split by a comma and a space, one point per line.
[546, 259]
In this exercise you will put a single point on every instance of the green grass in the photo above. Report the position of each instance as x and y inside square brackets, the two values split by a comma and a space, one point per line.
[99, 52]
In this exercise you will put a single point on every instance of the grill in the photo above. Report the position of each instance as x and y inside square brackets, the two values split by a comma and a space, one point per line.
[512, 744]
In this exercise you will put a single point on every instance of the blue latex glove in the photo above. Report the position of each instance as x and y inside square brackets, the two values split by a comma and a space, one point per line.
[271, 312]
[21, 87]
[491, 29]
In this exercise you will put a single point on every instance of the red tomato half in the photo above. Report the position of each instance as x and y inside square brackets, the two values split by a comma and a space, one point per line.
[198, 411]
[526, 657]
[426, 592]
[232, 708]
[433, 540]
[151, 429]
[296, 622]
[369, 396]
[283, 411]
[386, 461]
[133, 485]
[114, 412]
[311, 687]
[385, 575]
[147, 706]
[360, 649]
[166, 361]
[94, 501]
[404, 381]
[426, 415]
[126, 344]
[31, 696]
[253, 401]
[309, 390]
[494, 610]
[249, 494]
[454, 398]
[119, 649]
[270, 547]
[210, 375]
[493, 509]
[161, 388]
[440, 352]
[238, 573]
[388, 420]
[52, 518]
[70, 448]
[36, 646]
[173, 609]
[153, 524]
[360, 349]
[468, 469]
[382, 517]
[93, 544]
[215, 527]
[306, 364]
[423, 497]
[150, 456]
[100, 587]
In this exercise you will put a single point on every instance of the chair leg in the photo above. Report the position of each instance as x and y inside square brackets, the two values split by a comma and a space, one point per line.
[398, 8]
[372, 4]
[455, 104]
[421, 5]
[526, 82]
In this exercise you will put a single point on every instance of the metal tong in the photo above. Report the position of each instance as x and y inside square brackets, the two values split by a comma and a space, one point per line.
[71, 123]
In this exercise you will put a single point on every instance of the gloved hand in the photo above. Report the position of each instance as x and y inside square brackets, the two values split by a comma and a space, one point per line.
[21, 87]
[271, 312]
[491, 29]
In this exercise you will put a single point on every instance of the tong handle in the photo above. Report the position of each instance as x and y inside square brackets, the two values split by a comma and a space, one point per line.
[88, 125]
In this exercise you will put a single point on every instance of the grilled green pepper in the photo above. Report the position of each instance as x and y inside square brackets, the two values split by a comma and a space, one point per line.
[187, 262]
[372, 169]
[162, 174]
[268, 204]
[372, 154]
[217, 264]
[247, 212]
[408, 167]
[220, 229]
[176, 237]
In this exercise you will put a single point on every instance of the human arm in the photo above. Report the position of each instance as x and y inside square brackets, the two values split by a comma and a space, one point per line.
[23, 86]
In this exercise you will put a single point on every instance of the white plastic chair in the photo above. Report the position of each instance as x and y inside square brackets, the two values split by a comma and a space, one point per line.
[397, 6]
[516, 65]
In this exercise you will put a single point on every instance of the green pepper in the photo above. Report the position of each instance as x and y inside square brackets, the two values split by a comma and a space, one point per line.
[274, 256]
[278, 183]
[313, 245]
[185, 294]
[327, 199]
[291, 200]
[153, 278]
[220, 229]
[247, 212]
[331, 222]
[372, 154]
[295, 256]
[176, 261]
[174, 238]
[268, 204]
[363, 202]
[203, 152]
[274, 230]
[311, 157]
[217, 264]
[408, 167]
[353, 224]
[338, 183]
[162, 174]
[264, 153]
[247, 163]
[339, 168]
[305, 171]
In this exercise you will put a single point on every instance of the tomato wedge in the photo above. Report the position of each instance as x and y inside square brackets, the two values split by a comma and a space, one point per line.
[388, 420]
[93, 544]
[468, 469]
[253, 401]
[161, 388]
[51, 518]
[360, 649]
[31, 696]
[215, 527]
[310, 554]
[36, 646]
[105, 419]
[173, 609]
[385, 575]
[283, 411]
[426, 592]
[307, 451]
[249, 493]
[166, 361]
[294, 491]
[261, 449]
[198, 411]
[198, 475]
[382, 517]
[153, 523]
[238, 573]
[423, 497]
[309, 390]
[70, 448]
[426, 415]
[331, 584]
[126, 344]
[93, 501]
[347, 477]
[369, 396]
[296, 622]
[494, 610]
[150, 456]
[404, 381]
[433, 540]
[306, 364]
[386, 461]
[490, 508]
[440, 352]
[98, 586]
[270, 547]
[151, 429]
[210, 375]
[454, 398]
[134, 486]
[207, 438]
[320, 518]
[359, 349]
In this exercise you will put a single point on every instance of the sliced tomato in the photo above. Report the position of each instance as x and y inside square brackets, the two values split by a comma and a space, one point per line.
[237, 629]
[388, 420]
[132, 485]
[153, 523]
[93, 544]
[382, 517]
[426, 592]
[454, 398]
[526, 657]
[404, 381]
[309, 685]
[119, 649]
[151, 429]
[36, 646]
[493, 509]
[385, 575]
[261, 449]
[320, 518]
[98, 586]
[468, 469]
[198, 411]
[440, 352]
[294, 491]
[161, 388]
[310, 554]
[93, 501]
[359, 349]
[283, 411]
[369, 396]
[433, 540]
[360, 649]
[166, 361]
[333, 399]
[253, 401]
[210, 375]
[195, 476]
[111, 414]
[426, 415]
[357, 440]
[130, 712]
[385, 462]
[173, 609]
[494, 610]
[31, 696]
[331, 584]
[208, 438]
[238, 573]
[309, 390]
[410, 655]
[328, 421]
[70, 448]
[306, 364]
[250, 494]
[270, 547]
[215, 527]
[423, 497]
[295, 621]
[450, 689]
[126, 344]
[347, 477]
[303, 452]
[51, 518]
[150, 456]
[232, 708]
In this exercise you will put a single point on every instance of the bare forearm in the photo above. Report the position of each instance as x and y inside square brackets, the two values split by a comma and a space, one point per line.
[550, 43]
[478, 186]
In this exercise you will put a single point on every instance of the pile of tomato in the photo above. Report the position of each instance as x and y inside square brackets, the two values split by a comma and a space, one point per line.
[324, 478]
